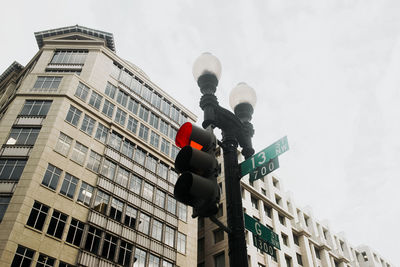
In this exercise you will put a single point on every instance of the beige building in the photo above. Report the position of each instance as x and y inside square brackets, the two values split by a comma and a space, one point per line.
[86, 160]
[304, 241]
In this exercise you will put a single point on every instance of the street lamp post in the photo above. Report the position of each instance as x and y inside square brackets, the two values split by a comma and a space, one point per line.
[236, 130]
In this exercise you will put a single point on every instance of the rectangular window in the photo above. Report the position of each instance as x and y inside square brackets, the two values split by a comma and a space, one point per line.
[182, 211]
[220, 212]
[169, 237]
[148, 191]
[140, 256]
[116, 209]
[116, 70]
[85, 194]
[219, 260]
[173, 177]
[77, 57]
[156, 100]
[174, 114]
[109, 246]
[296, 239]
[82, 91]
[57, 224]
[130, 217]
[95, 100]
[122, 177]
[172, 133]
[154, 139]
[23, 257]
[108, 169]
[122, 98]
[75, 232]
[11, 169]
[101, 202]
[165, 145]
[285, 239]
[47, 83]
[167, 264]
[171, 204]
[73, 115]
[69, 185]
[162, 170]
[63, 144]
[165, 107]
[88, 125]
[45, 261]
[160, 198]
[164, 127]
[181, 243]
[128, 148]
[93, 162]
[268, 210]
[254, 202]
[144, 225]
[108, 108]
[146, 93]
[154, 261]
[140, 156]
[23, 136]
[132, 125]
[133, 105]
[79, 153]
[126, 78]
[154, 119]
[110, 90]
[156, 230]
[136, 86]
[125, 252]
[135, 184]
[288, 261]
[120, 117]
[93, 240]
[35, 108]
[38, 215]
[218, 235]
[299, 259]
[151, 163]
[282, 219]
[115, 141]
[144, 113]
[317, 253]
[4, 201]
[101, 133]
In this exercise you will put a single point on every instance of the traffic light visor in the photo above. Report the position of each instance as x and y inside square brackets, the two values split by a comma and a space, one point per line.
[183, 135]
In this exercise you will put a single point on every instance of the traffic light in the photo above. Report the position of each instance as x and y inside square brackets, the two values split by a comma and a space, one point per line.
[197, 185]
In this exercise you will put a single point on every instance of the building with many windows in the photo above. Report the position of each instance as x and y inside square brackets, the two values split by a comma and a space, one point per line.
[304, 241]
[86, 160]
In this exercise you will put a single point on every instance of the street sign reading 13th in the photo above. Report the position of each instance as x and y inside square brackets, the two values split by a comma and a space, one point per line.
[264, 156]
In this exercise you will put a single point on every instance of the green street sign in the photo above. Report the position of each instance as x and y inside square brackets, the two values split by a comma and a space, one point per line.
[264, 246]
[263, 170]
[261, 231]
[264, 156]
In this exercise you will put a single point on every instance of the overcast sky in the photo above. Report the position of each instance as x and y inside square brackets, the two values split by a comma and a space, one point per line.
[326, 73]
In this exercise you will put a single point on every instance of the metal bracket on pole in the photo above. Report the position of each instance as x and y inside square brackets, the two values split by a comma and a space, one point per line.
[220, 224]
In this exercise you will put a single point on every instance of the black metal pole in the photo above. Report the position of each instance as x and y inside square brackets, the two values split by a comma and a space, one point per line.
[237, 238]
[236, 129]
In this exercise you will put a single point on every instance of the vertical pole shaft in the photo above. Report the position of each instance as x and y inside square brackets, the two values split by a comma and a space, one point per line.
[237, 238]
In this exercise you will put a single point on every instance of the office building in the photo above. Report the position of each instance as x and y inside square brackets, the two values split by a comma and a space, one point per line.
[304, 241]
[86, 160]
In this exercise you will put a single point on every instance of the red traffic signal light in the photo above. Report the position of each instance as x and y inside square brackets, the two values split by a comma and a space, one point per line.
[197, 185]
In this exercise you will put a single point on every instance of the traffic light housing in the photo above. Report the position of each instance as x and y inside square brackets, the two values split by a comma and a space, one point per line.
[197, 185]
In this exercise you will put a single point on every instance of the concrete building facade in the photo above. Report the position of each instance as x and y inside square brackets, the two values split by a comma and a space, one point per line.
[304, 240]
[86, 160]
